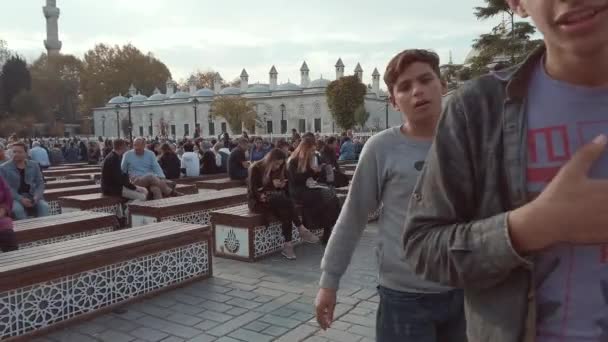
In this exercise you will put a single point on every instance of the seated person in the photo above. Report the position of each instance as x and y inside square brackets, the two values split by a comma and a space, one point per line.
[209, 165]
[221, 156]
[190, 164]
[237, 162]
[114, 182]
[40, 155]
[8, 240]
[143, 170]
[169, 162]
[24, 178]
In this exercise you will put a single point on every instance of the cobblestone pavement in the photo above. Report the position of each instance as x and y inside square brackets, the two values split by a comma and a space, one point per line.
[270, 300]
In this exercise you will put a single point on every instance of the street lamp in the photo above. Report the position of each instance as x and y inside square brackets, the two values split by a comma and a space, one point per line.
[210, 118]
[195, 106]
[151, 131]
[283, 124]
[386, 109]
[117, 107]
[103, 125]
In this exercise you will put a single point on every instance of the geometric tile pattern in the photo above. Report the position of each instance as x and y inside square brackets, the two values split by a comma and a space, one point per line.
[54, 208]
[33, 307]
[66, 237]
[202, 217]
[269, 239]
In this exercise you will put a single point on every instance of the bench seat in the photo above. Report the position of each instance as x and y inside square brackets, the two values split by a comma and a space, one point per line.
[96, 202]
[68, 183]
[65, 172]
[95, 176]
[220, 184]
[243, 235]
[47, 287]
[190, 208]
[192, 180]
[52, 195]
[187, 189]
[45, 230]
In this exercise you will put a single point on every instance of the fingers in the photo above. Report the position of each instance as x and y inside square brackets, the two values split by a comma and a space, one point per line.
[585, 157]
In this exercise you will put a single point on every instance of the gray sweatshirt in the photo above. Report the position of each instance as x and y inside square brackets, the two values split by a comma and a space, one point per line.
[385, 177]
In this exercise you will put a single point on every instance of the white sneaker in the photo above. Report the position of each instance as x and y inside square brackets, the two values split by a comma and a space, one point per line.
[288, 252]
[307, 236]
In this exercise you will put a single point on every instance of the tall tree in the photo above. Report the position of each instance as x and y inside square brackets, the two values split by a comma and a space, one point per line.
[202, 79]
[56, 81]
[361, 117]
[344, 97]
[237, 112]
[110, 70]
[15, 78]
[27, 104]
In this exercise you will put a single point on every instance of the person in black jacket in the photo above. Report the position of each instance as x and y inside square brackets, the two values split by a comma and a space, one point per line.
[113, 181]
[267, 194]
[321, 205]
[169, 162]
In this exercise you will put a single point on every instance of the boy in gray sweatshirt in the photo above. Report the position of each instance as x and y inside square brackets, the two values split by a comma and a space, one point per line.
[410, 309]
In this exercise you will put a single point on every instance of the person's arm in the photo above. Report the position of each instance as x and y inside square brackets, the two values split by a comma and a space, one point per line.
[255, 182]
[364, 197]
[124, 165]
[38, 186]
[14, 194]
[298, 178]
[442, 240]
[117, 176]
[156, 169]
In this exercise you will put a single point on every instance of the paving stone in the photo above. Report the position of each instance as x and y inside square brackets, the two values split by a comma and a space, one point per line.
[256, 326]
[169, 327]
[280, 321]
[240, 286]
[347, 291]
[208, 288]
[121, 325]
[238, 279]
[281, 287]
[152, 310]
[227, 339]
[368, 305]
[130, 315]
[365, 294]
[306, 300]
[298, 334]
[263, 299]
[215, 316]
[302, 316]
[188, 320]
[362, 312]
[90, 328]
[366, 339]
[243, 303]
[114, 336]
[356, 319]
[214, 296]
[215, 281]
[339, 335]
[215, 306]
[274, 330]
[173, 339]
[348, 300]
[187, 299]
[375, 299]
[363, 331]
[284, 312]
[71, 336]
[341, 310]
[187, 309]
[203, 338]
[301, 307]
[250, 336]
[268, 292]
[236, 311]
[206, 325]
[148, 334]
[233, 324]
[315, 339]
[163, 302]
[242, 294]
[277, 303]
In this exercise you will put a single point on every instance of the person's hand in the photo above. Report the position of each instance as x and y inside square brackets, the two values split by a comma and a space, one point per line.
[263, 198]
[325, 304]
[316, 169]
[278, 183]
[141, 189]
[26, 202]
[571, 209]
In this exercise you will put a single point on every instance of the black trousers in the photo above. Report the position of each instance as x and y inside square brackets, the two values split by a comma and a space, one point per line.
[282, 208]
[321, 209]
[8, 240]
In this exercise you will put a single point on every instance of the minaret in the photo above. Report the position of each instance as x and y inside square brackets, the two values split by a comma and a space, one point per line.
[274, 76]
[451, 61]
[170, 87]
[192, 85]
[52, 42]
[359, 72]
[217, 83]
[376, 82]
[244, 81]
[305, 78]
[339, 69]
[132, 90]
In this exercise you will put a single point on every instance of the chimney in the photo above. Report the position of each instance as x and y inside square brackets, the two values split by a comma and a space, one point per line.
[170, 87]
[274, 75]
[217, 83]
[244, 81]
[132, 90]
[376, 82]
[192, 85]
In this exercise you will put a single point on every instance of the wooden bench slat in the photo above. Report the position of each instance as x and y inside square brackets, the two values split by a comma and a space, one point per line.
[68, 183]
[43, 228]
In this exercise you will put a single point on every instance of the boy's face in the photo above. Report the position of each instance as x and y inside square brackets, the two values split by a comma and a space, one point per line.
[417, 92]
[579, 26]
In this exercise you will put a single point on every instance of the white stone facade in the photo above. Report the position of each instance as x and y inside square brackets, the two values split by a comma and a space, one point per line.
[305, 107]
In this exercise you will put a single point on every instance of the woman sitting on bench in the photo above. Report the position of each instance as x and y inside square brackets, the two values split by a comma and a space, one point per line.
[267, 194]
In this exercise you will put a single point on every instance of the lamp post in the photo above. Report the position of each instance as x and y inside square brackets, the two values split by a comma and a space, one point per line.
[151, 131]
[129, 102]
[103, 125]
[283, 125]
[117, 108]
[210, 119]
[195, 106]
[386, 109]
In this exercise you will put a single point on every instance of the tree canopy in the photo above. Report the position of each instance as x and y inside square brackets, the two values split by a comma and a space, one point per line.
[344, 97]
[15, 78]
[237, 112]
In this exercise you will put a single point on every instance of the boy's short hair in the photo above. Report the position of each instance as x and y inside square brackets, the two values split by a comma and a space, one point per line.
[188, 147]
[406, 58]
[19, 143]
[117, 144]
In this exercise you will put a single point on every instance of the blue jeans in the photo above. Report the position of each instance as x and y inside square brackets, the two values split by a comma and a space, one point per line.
[420, 317]
[41, 208]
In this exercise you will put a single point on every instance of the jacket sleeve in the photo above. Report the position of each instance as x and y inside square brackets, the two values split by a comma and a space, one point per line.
[297, 177]
[255, 182]
[443, 240]
[158, 171]
[38, 186]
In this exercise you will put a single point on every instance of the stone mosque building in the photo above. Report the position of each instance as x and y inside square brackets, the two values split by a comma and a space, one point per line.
[280, 107]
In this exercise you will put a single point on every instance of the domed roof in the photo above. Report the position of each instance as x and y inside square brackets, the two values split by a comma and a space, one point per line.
[205, 92]
[180, 95]
[319, 83]
[157, 97]
[258, 89]
[139, 98]
[230, 91]
[288, 87]
[118, 100]
[472, 54]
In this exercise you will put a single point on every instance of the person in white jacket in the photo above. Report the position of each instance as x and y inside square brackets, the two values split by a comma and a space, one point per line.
[190, 161]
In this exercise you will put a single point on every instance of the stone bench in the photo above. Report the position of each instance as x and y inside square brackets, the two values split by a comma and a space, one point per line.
[47, 287]
[189, 209]
[65, 172]
[187, 189]
[220, 184]
[348, 167]
[52, 195]
[349, 174]
[76, 165]
[192, 180]
[67, 183]
[243, 235]
[96, 202]
[45, 230]
[94, 176]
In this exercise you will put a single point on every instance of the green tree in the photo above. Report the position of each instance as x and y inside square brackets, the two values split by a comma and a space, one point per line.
[15, 78]
[202, 79]
[361, 117]
[110, 70]
[344, 96]
[237, 112]
[27, 104]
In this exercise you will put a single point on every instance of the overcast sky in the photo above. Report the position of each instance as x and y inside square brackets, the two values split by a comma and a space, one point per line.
[228, 36]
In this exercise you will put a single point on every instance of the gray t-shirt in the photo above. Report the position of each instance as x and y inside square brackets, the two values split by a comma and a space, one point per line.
[386, 174]
[571, 280]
